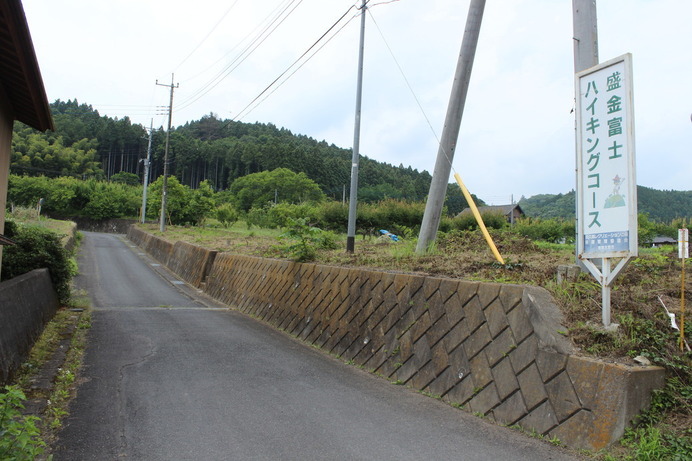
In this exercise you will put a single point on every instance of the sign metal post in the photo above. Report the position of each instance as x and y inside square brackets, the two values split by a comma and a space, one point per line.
[606, 172]
[683, 253]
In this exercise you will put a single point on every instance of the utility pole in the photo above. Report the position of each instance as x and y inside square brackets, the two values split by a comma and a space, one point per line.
[450, 132]
[147, 161]
[585, 40]
[585, 34]
[352, 206]
[164, 193]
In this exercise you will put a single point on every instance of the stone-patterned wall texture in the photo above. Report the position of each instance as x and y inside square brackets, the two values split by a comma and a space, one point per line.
[493, 349]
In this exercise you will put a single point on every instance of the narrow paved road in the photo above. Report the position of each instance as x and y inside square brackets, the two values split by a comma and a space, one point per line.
[171, 376]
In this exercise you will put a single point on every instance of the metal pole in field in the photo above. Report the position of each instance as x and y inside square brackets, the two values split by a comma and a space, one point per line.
[147, 162]
[352, 208]
[450, 133]
[164, 193]
[683, 253]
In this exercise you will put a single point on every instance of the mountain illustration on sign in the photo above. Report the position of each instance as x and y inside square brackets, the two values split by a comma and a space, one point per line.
[615, 199]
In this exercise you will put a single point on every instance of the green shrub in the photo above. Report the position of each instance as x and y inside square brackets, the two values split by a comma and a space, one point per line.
[124, 177]
[19, 436]
[257, 189]
[467, 221]
[66, 196]
[397, 216]
[305, 240]
[282, 214]
[333, 216]
[226, 214]
[259, 217]
[111, 201]
[549, 230]
[37, 247]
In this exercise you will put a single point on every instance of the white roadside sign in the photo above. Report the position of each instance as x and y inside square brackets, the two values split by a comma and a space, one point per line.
[683, 244]
[606, 173]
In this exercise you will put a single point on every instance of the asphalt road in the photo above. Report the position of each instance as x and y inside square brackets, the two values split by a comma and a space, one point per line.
[171, 376]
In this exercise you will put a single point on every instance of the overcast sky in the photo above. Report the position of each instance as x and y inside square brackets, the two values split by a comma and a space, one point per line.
[517, 134]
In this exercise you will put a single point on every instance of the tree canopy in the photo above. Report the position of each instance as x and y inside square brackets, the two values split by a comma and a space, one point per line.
[281, 184]
[658, 205]
[88, 145]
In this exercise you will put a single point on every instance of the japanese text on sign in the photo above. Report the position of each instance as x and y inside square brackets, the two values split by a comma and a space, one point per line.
[606, 183]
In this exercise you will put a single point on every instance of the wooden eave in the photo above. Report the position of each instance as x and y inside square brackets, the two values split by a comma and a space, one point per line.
[20, 75]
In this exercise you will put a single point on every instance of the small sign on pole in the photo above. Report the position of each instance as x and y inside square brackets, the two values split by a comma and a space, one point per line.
[683, 244]
[683, 253]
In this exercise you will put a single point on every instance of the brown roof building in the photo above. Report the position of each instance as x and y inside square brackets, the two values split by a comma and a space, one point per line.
[511, 212]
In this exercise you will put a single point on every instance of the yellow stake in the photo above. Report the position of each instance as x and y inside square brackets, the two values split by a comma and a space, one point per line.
[479, 219]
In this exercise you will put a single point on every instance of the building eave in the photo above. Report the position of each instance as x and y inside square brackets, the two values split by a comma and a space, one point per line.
[20, 75]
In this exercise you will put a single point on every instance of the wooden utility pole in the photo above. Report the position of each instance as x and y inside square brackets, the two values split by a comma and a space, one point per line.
[450, 133]
[353, 204]
[164, 193]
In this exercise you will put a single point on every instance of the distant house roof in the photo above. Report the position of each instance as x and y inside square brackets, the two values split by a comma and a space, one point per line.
[20, 75]
[662, 240]
[505, 210]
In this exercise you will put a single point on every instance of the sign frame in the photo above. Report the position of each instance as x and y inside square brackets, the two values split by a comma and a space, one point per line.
[617, 240]
[585, 210]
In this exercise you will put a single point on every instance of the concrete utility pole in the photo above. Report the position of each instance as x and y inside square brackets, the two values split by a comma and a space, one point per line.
[585, 40]
[147, 162]
[353, 204]
[164, 193]
[450, 133]
[585, 34]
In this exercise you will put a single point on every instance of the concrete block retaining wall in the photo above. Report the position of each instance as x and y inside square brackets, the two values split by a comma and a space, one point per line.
[493, 349]
[191, 262]
[27, 302]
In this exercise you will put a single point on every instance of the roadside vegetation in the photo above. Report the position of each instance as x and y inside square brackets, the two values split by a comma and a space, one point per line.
[43, 242]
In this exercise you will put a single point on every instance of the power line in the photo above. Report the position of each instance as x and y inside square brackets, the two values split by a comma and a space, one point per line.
[206, 36]
[403, 74]
[241, 113]
[243, 55]
[250, 34]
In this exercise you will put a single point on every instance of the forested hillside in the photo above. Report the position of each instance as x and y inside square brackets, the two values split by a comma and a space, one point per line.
[87, 145]
[659, 205]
